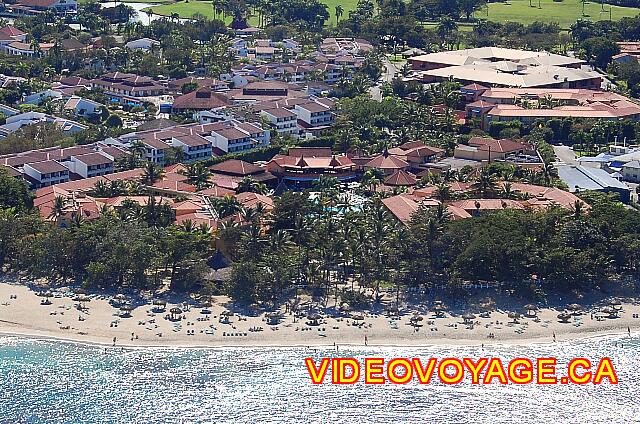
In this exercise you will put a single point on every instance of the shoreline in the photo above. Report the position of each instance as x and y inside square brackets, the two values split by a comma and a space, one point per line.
[446, 343]
[99, 323]
[319, 344]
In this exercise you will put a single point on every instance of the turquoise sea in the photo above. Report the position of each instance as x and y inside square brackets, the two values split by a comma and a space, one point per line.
[56, 382]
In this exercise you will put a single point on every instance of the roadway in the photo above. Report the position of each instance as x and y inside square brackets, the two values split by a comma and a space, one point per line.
[388, 72]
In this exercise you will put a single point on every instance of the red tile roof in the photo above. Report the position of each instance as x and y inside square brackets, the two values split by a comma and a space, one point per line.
[401, 178]
[236, 167]
[386, 161]
[201, 99]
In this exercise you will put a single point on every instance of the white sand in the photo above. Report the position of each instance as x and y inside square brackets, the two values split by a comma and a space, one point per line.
[27, 317]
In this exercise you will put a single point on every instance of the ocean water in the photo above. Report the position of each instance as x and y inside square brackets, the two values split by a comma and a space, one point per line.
[56, 382]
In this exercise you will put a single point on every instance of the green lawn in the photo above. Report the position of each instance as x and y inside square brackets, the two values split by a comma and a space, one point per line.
[564, 13]
[187, 10]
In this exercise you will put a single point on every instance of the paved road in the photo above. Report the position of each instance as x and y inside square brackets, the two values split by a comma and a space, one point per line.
[565, 154]
[387, 75]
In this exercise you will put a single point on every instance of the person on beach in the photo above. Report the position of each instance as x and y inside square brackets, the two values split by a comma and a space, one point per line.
[114, 341]
[629, 330]
[554, 337]
[366, 340]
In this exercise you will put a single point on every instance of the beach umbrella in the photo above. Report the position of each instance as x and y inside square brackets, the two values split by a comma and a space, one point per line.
[79, 290]
[47, 294]
[273, 317]
[531, 309]
[612, 312]
[616, 303]
[175, 311]
[468, 317]
[357, 317]
[227, 313]
[393, 309]
[159, 302]
[439, 308]
[82, 299]
[488, 305]
[564, 317]
[126, 308]
[206, 304]
[120, 297]
[514, 316]
[575, 308]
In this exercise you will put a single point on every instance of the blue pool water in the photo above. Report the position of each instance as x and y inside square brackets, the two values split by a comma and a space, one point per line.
[55, 382]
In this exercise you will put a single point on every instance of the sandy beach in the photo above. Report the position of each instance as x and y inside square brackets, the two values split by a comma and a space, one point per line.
[100, 321]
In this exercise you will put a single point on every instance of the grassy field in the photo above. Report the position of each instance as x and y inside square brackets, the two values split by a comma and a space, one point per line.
[187, 10]
[564, 13]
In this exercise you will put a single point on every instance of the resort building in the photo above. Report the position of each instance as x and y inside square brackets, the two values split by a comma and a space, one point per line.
[581, 178]
[127, 88]
[480, 149]
[201, 99]
[15, 122]
[501, 67]
[34, 7]
[45, 173]
[195, 147]
[529, 105]
[304, 165]
[90, 164]
[240, 169]
[282, 120]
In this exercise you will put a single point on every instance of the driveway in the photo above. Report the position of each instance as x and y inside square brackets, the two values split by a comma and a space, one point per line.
[565, 154]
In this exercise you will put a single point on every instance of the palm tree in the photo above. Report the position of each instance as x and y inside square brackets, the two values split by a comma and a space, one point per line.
[138, 149]
[57, 209]
[149, 13]
[187, 226]
[443, 192]
[445, 28]
[198, 175]
[507, 192]
[578, 209]
[485, 183]
[225, 206]
[549, 172]
[100, 189]
[339, 13]
[152, 173]
[249, 184]
[76, 220]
